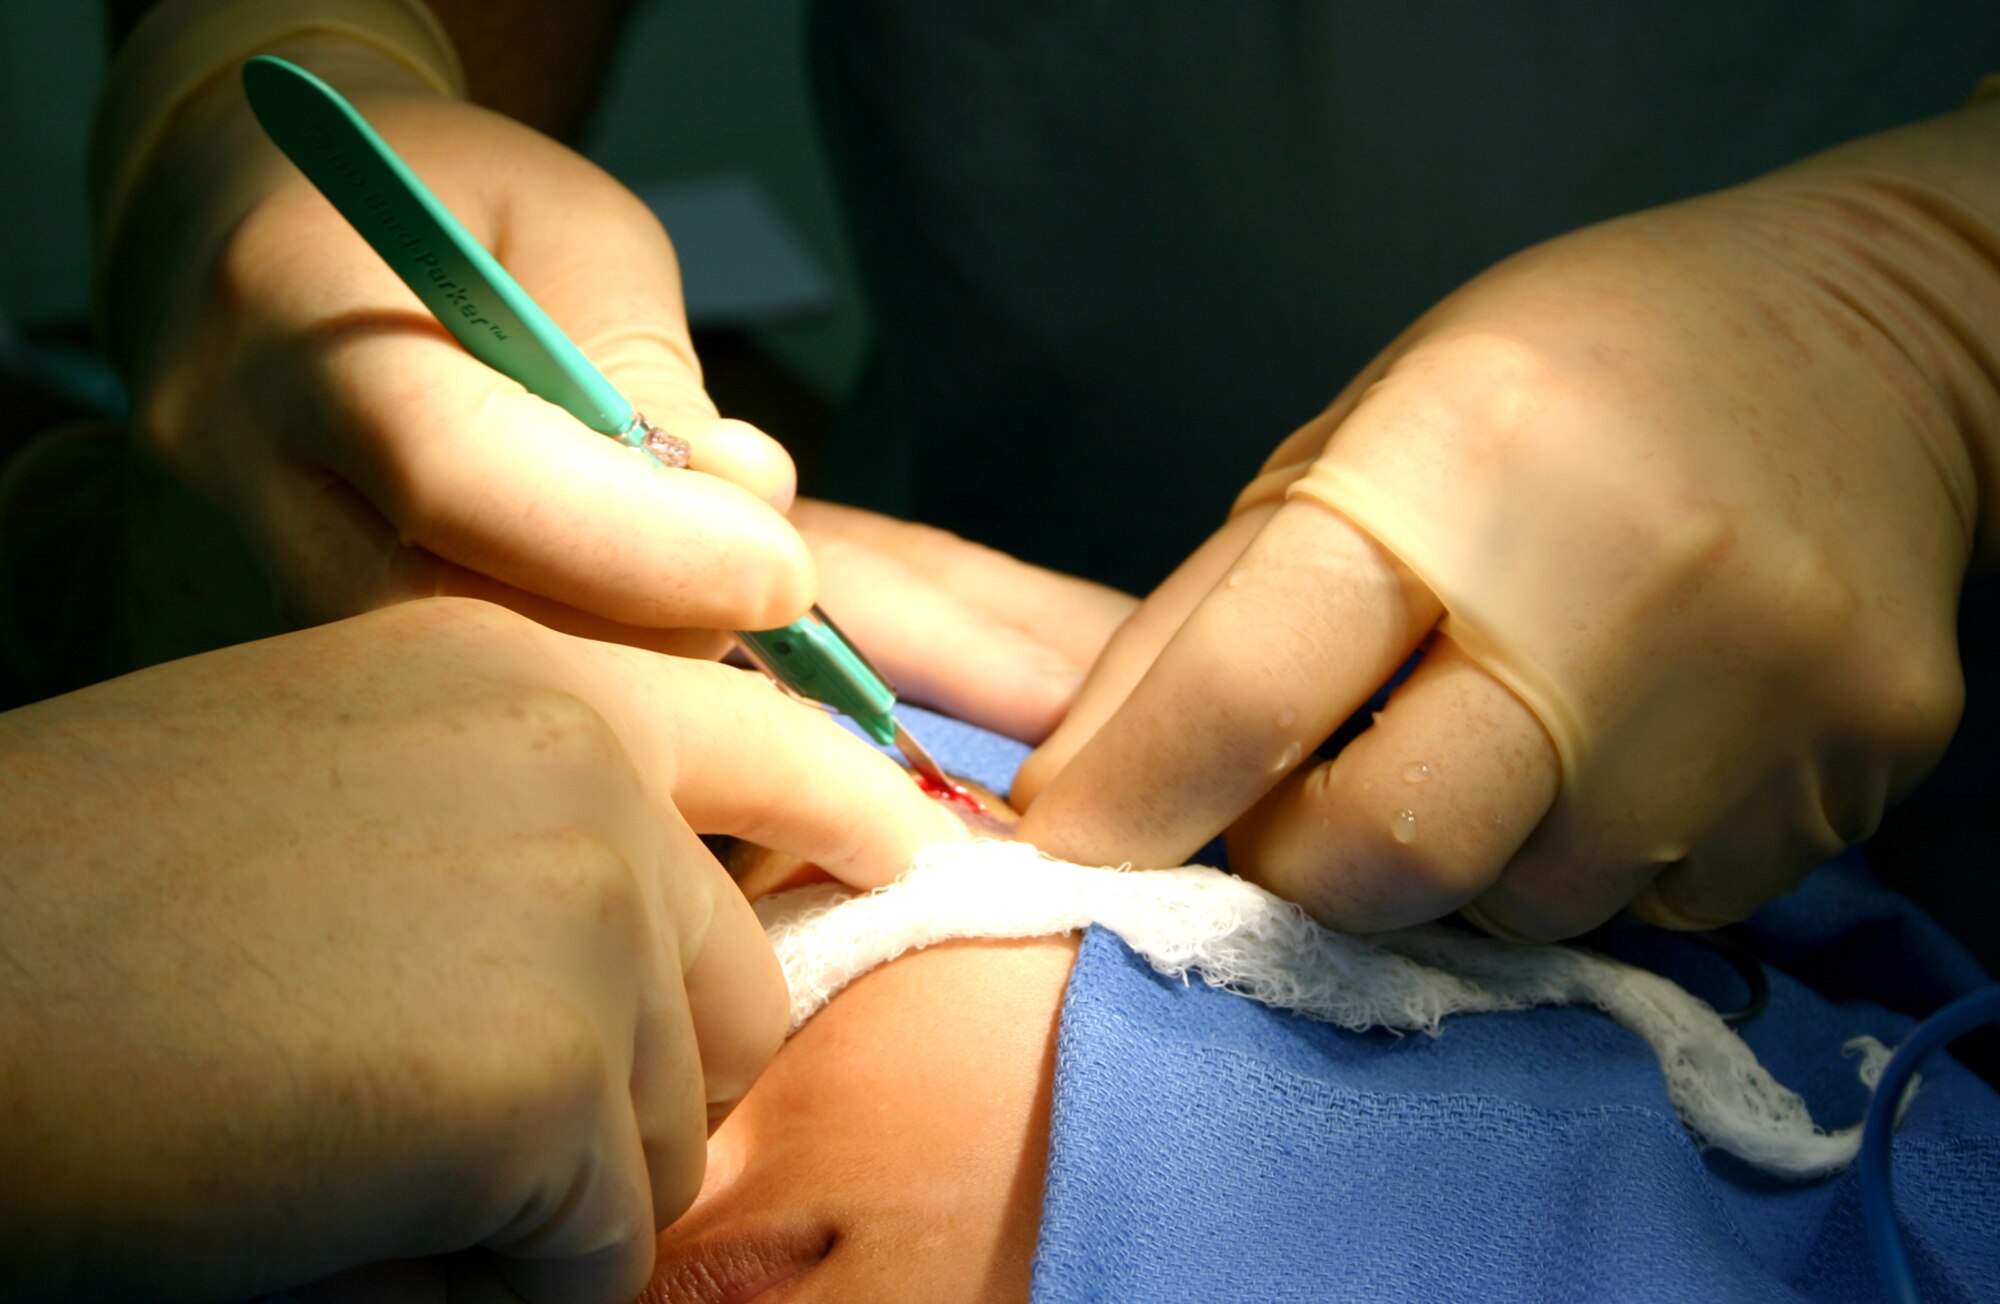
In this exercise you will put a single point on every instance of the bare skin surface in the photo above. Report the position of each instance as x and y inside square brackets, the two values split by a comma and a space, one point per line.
[895, 1148]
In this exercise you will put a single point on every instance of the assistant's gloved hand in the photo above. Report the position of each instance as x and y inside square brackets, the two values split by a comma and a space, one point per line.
[283, 373]
[391, 938]
[1683, 503]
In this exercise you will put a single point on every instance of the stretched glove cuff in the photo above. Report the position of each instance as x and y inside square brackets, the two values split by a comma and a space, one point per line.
[182, 45]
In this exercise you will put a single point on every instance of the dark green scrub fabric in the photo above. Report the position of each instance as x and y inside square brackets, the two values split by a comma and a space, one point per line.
[1117, 251]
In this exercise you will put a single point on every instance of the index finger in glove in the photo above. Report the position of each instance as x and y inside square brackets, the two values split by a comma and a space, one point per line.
[1309, 622]
[1133, 648]
[463, 463]
[1135, 645]
[736, 756]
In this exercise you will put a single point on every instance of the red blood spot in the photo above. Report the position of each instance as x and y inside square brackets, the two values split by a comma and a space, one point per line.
[948, 793]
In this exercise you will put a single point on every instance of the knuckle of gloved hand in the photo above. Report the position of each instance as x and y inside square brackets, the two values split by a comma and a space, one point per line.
[1496, 382]
[253, 254]
[1887, 672]
[1686, 546]
[580, 884]
[480, 635]
[566, 741]
[507, 698]
[1491, 355]
[271, 266]
[1909, 702]
[593, 190]
[1807, 596]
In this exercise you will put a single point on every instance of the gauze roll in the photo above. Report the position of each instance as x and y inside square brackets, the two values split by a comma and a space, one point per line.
[1234, 935]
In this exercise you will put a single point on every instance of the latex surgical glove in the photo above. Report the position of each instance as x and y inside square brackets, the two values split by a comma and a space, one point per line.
[1681, 505]
[391, 938]
[956, 625]
[285, 376]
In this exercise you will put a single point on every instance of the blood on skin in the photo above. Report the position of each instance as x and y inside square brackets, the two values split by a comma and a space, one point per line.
[949, 793]
[760, 871]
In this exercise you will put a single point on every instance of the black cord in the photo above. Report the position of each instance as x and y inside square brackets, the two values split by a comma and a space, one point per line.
[1729, 944]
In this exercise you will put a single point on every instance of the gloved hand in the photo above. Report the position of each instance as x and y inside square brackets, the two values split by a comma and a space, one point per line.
[956, 625]
[391, 938]
[1681, 504]
[285, 375]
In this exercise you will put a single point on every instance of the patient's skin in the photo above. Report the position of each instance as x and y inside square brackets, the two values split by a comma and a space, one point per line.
[895, 1148]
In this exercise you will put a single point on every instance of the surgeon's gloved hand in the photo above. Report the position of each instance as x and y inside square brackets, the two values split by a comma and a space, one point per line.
[390, 939]
[1680, 506]
[285, 375]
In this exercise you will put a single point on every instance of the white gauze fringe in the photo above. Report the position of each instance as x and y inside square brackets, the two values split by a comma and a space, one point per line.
[1238, 937]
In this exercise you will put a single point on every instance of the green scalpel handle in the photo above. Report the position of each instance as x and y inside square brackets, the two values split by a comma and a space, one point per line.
[811, 657]
[464, 286]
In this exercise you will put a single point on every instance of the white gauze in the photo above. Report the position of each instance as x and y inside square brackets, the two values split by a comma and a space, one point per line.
[1236, 936]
